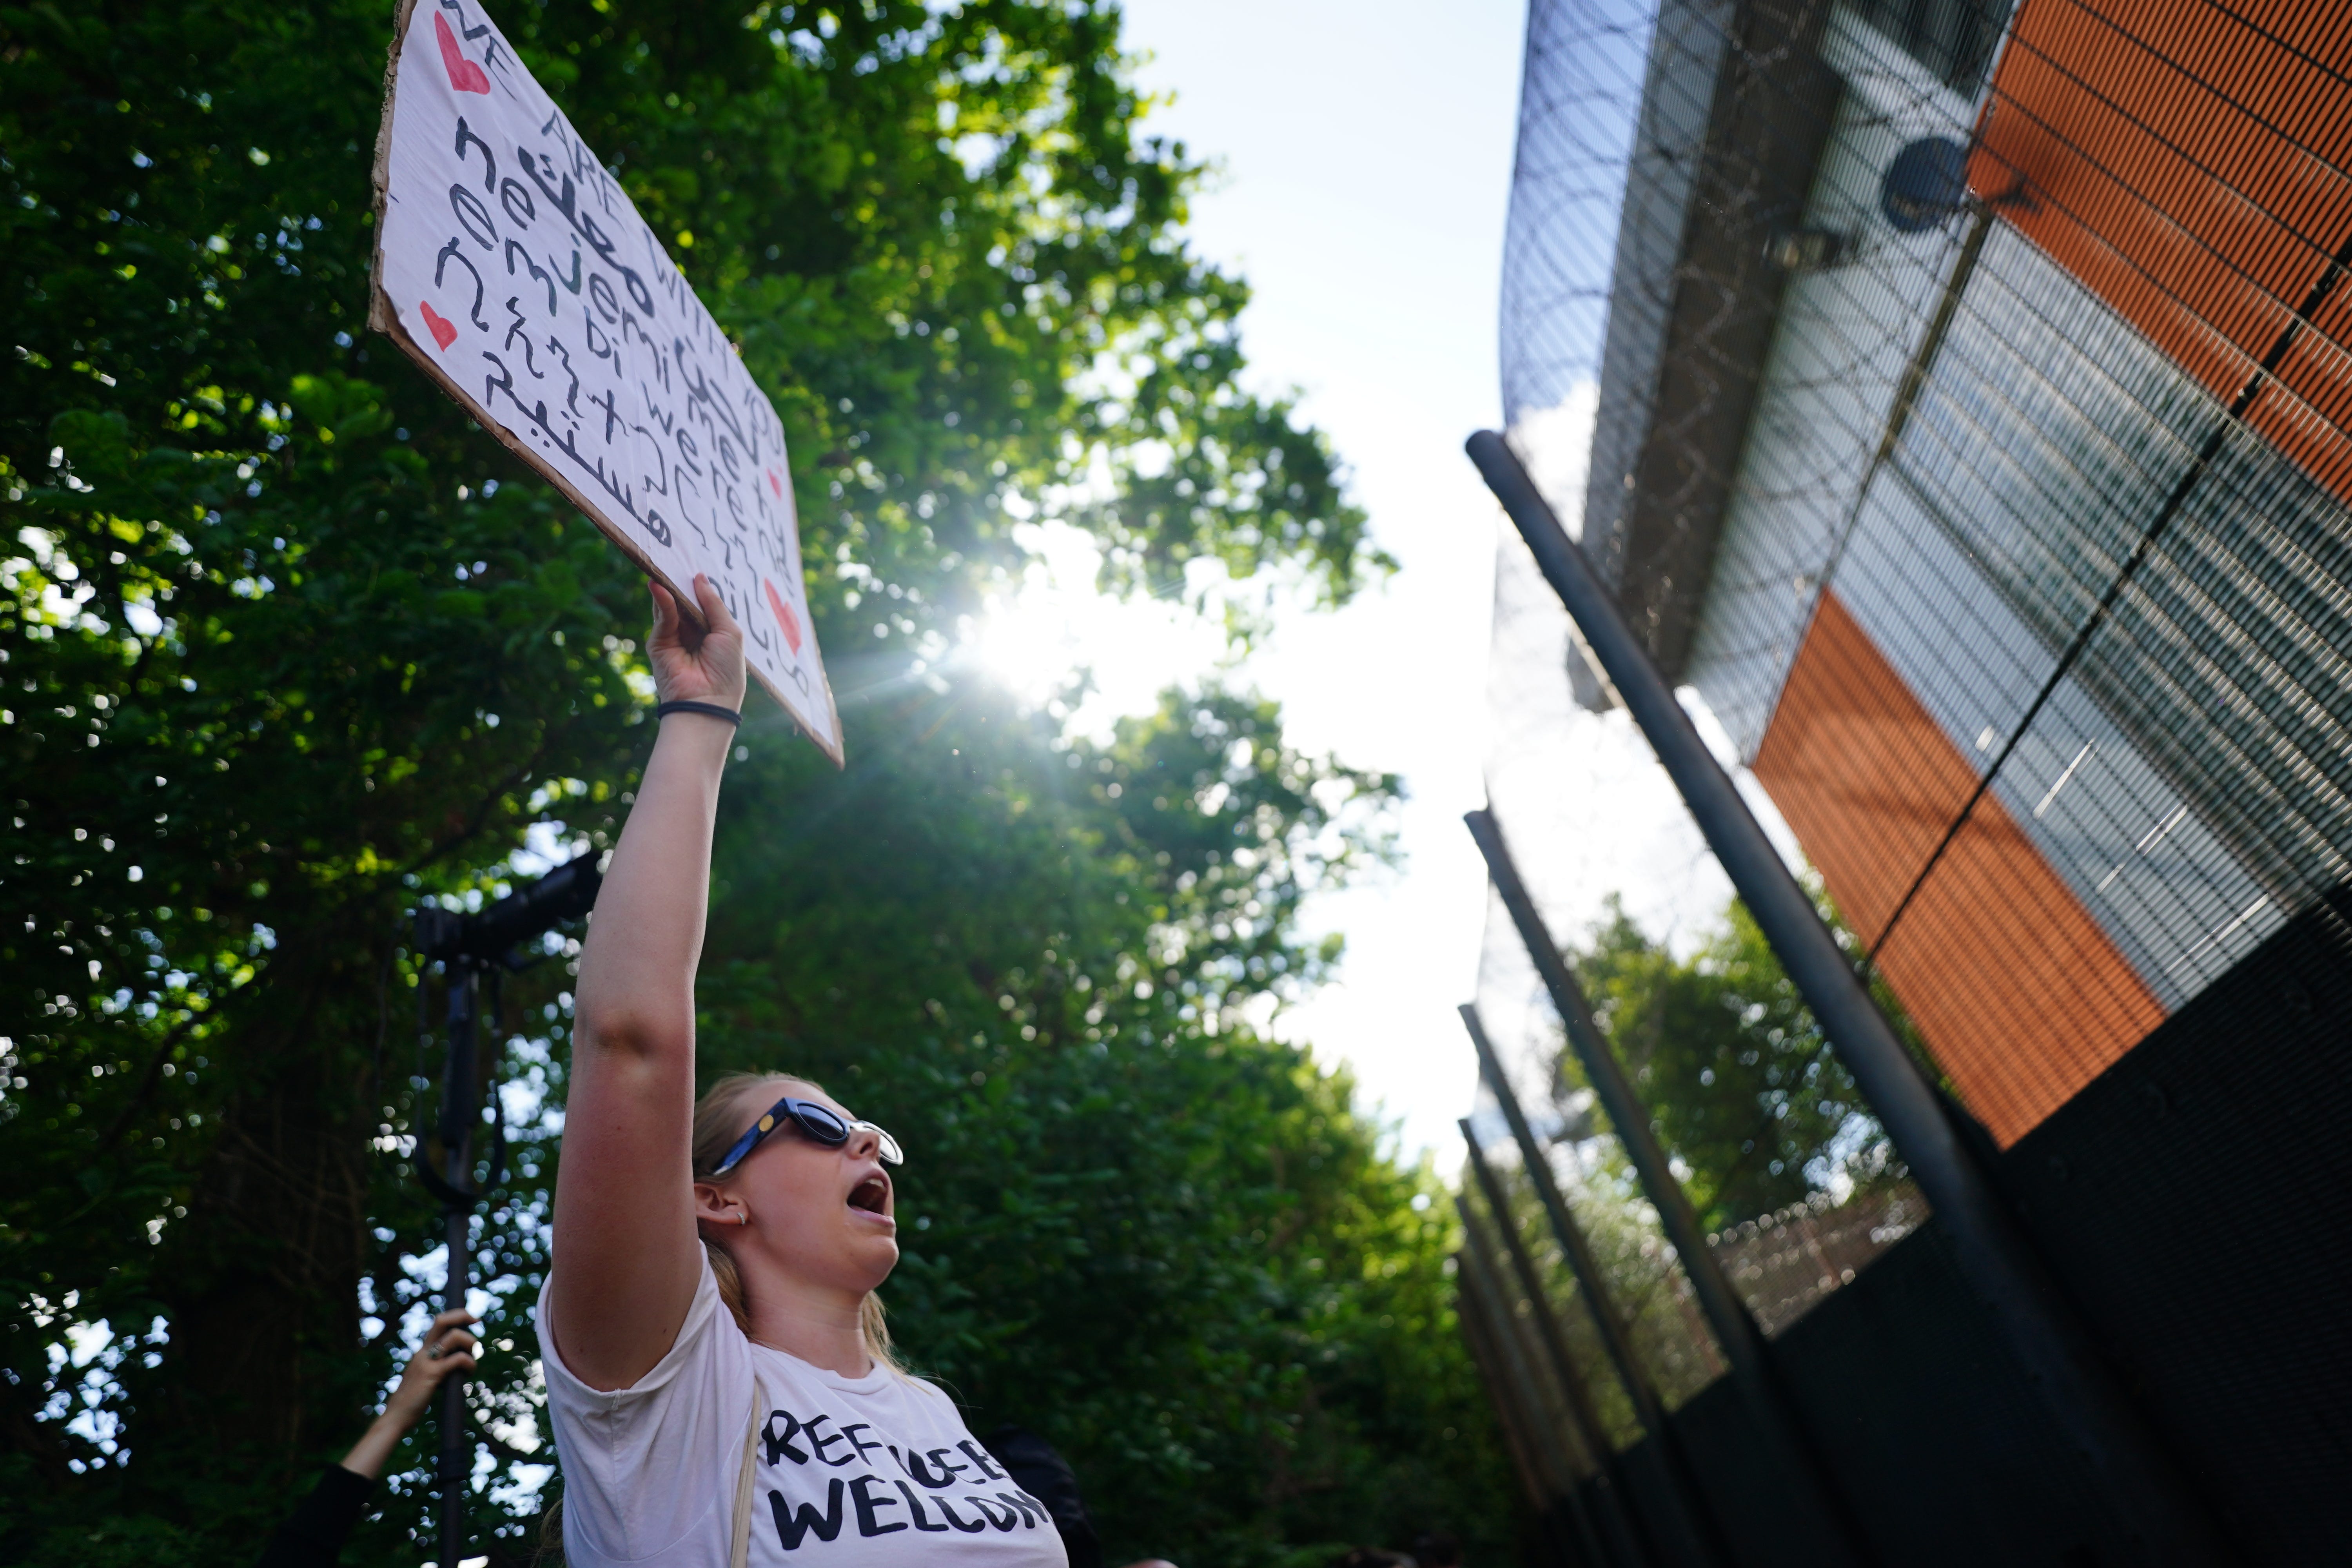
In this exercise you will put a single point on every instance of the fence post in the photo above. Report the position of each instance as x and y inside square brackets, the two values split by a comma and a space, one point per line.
[1525, 1434]
[1697, 1536]
[1482, 1291]
[1629, 1541]
[1767, 1398]
[2139, 1480]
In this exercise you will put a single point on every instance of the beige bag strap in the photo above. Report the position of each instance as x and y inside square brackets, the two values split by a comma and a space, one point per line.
[740, 1553]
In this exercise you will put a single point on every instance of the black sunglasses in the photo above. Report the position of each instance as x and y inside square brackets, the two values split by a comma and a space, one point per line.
[814, 1121]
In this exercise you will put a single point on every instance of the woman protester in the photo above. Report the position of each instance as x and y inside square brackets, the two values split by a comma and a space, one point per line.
[716, 1365]
[313, 1536]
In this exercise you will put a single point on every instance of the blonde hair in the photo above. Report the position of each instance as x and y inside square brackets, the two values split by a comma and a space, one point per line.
[719, 1117]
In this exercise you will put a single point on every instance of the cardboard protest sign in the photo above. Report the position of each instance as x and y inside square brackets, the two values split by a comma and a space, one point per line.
[513, 268]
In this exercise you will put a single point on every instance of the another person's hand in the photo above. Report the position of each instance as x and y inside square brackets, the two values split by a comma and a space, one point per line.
[448, 1351]
[690, 663]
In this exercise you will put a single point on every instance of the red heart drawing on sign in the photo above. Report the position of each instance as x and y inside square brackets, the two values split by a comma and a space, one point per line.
[445, 331]
[784, 617]
[775, 484]
[464, 74]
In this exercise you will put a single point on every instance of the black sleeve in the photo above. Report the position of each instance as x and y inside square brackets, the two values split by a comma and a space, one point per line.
[314, 1536]
[1044, 1475]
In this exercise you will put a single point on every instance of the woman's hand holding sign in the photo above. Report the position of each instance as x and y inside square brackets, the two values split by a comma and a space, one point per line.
[691, 663]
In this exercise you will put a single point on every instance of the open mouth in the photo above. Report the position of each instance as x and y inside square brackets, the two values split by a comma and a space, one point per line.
[871, 1195]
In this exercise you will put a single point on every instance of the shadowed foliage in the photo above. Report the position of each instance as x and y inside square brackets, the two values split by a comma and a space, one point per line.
[286, 647]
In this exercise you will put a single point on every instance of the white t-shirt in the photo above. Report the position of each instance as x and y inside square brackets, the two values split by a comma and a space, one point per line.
[847, 1472]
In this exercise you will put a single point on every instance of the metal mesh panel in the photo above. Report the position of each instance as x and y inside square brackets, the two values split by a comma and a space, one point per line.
[1784, 1262]
[1954, 39]
[2047, 443]
[1648, 1290]
[1961, 405]
[1619, 1428]
[1585, 70]
[1622, 158]
[1977, 480]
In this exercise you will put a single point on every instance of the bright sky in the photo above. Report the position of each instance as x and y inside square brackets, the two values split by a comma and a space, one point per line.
[1366, 161]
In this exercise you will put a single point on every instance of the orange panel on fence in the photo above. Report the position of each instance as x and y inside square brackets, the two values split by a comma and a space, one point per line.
[2016, 989]
[2307, 409]
[2188, 163]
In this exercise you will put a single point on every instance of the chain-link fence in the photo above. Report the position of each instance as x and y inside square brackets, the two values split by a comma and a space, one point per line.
[1957, 404]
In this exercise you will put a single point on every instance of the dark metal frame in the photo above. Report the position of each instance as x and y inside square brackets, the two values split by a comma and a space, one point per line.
[1695, 1534]
[469, 947]
[1627, 1542]
[2139, 1480]
[1767, 1397]
[1562, 1485]
[1506, 1375]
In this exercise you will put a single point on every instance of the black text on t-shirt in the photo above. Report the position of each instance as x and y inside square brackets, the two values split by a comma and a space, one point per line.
[956, 1489]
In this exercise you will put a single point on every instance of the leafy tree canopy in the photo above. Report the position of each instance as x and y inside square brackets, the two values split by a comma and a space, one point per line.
[1743, 1089]
[286, 647]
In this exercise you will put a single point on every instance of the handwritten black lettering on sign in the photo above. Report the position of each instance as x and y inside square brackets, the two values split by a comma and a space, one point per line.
[511, 266]
[824, 1477]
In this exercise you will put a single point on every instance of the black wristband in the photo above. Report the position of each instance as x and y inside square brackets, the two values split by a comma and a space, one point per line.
[682, 706]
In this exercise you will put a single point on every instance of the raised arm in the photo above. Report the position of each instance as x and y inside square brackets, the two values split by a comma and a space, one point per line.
[627, 1256]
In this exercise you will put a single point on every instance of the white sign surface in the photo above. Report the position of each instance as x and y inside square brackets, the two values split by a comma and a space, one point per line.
[513, 268]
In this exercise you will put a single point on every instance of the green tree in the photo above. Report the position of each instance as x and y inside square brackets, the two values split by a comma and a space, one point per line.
[286, 647]
[1753, 1108]
[1740, 1082]
[1243, 1325]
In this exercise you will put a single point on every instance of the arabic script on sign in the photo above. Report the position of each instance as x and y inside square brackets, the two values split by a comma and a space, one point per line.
[513, 268]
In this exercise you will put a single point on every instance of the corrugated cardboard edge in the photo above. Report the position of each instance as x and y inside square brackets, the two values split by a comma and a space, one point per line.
[382, 318]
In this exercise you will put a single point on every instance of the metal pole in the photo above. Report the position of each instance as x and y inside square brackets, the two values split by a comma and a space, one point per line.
[2146, 1489]
[470, 946]
[1766, 1396]
[1703, 1534]
[1544, 1496]
[1478, 1258]
[1533, 1441]
[1694, 1538]
[1477, 1261]
[1504, 1391]
[457, 1115]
